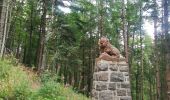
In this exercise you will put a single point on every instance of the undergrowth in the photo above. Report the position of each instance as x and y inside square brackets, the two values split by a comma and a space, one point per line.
[15, 84]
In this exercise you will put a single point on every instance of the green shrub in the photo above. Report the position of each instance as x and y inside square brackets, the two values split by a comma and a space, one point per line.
[49, 91]
[14, 82]
[4, 69]
[56, 91]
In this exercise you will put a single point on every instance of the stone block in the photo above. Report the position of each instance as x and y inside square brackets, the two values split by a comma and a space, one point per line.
[123, 68]
[103, 76]
[126, 74]
[118, 85]
[102, 66]
[113, 67]
[116, 98]
[101, 86]
[114, 93]
[126, 98]
[112, 86]
[127, 79]
[121, 92]
[95, 69]
[122, 59]
[94, 77]
[122, 63]
[95, 95]
[128, 92]
[116, 77]
[125, 85]
[106, 95]
[94, 85]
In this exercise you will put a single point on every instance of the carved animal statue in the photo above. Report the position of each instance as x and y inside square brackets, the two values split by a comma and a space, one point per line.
[107, 51]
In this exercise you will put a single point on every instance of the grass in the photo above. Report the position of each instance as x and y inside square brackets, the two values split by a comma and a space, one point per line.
[19, 83]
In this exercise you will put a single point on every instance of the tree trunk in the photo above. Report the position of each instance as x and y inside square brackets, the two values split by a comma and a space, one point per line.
[41, 51]
[29, 54]
[166, 6]
[2, 21]
[101, 18]
[156, 52]
[5, 28]
[141, 58]
[124, 28]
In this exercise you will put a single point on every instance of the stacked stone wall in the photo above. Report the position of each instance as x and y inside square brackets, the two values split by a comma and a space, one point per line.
[111, 81]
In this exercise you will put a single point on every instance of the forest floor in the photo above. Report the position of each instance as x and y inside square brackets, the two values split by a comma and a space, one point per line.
[23, 83]
[33, 77]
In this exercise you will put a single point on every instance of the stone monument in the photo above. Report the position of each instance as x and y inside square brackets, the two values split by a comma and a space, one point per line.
[111, 80]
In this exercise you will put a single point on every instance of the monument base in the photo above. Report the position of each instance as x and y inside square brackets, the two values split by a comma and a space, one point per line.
[111, 80]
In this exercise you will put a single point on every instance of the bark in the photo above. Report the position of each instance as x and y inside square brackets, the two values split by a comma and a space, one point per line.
[2, 21]
[150, 88]
[124, 28]
[166, 5]
[29, 54]
[41, 49]
[5, 31]
[156, 52]
[101, 18]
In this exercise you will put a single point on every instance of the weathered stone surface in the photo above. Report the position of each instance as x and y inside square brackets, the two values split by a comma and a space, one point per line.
[126, 98]
[122, 59]
[111, 81]
[114, 93]
[94, 85]
[126, 74]
[116, 77]
[116, 98]
[112, 86]
[125, 85]
[123, 68]
[102, 76]
[127, 79]
[121, 92]
[106, 95]
[101, 86]
[113, 67]
[94, 77]
[118, 85]
[129, 92]
[95, 69]
[122, 63]
[95, 94]
[102, 66]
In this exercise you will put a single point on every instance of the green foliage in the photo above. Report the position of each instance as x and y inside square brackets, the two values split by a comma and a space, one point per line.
[71, 43]
[15, 84]
[54, 91]
[49, 91]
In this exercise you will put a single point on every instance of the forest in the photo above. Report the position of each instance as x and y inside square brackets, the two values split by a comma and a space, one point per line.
[53, 44]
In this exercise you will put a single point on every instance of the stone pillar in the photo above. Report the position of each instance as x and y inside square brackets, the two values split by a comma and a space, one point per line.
[111, 81]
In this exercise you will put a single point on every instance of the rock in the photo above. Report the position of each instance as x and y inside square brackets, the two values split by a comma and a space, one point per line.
[106, 95]
[102, 76]
[95, 94]
[112, 86]
[123, 68]
[125, 85]
[101, 86]
[121, 92]
[113, 67]
[126, 98]
[102, 66]
[116, 77]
